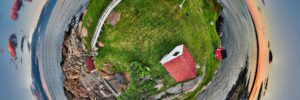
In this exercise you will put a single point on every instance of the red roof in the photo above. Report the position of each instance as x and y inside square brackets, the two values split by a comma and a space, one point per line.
[218, 53]
[181, 68]
[90, 66]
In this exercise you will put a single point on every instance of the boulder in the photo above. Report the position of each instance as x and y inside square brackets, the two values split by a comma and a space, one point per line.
[188, 85]
[159, 86]
[120, 78]
[175, 90]
[159, 96]
[198, 78]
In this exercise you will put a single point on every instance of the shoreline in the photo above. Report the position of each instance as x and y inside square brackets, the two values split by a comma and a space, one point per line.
[262, 39]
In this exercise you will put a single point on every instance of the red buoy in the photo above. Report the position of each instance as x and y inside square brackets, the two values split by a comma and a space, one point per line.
[218, 53]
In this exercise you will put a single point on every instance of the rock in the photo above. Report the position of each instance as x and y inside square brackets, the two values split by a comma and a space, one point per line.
[159, 86]
[211, 23]
[116, 86]
[148, 77]
[172, 97]
[127, 77]
[78, 84]
[105, 93]
[159, 96]
[107, 76]
[158, 81]
[197, 83]
[175, 90]
[198, 78]
[113, 18]
[197, 66]
[120, 78]
[189, 85]
[100, 44]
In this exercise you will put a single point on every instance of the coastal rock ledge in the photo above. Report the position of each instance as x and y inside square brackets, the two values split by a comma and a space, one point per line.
[79, 83]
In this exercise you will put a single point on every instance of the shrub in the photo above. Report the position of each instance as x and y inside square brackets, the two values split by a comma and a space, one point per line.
[139, 88]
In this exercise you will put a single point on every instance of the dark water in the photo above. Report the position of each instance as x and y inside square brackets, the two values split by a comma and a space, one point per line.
[39, 31]
[240, 42]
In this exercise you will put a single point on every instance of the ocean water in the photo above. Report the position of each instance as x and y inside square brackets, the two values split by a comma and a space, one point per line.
[239, 40]
[47, 44]
[16, 81]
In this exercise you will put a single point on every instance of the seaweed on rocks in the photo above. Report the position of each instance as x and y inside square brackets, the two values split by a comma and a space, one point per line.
[239, 90]
[219, 23]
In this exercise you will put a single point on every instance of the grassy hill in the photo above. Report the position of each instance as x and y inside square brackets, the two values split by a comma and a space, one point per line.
[149, 29]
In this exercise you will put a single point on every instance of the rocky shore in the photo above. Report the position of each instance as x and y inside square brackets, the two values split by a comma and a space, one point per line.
[71, 65]
[78, 82]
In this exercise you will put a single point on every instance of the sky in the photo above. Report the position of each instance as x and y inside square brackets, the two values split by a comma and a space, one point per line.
[15, 77]
[283, 23]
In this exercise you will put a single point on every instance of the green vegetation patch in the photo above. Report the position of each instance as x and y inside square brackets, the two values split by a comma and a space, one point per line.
[149, 29]
[91, 17]
[140, 87]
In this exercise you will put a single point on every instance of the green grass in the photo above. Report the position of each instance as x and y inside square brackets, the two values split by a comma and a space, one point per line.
[90, 20]
[150, 29]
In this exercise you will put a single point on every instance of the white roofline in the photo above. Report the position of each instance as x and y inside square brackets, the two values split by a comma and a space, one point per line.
[170, 56]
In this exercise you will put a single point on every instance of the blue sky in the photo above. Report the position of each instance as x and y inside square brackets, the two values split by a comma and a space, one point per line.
[15, 77]
[283, 22]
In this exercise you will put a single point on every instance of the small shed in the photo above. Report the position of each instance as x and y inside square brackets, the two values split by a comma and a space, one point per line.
[180, 64]
[90, 66]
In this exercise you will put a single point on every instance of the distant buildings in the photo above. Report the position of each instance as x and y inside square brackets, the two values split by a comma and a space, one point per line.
[14, 11]
[15, 8]
[180, 64]
[12, 44]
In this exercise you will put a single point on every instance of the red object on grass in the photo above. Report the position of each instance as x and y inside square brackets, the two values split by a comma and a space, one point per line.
[90, 66]
[180, 64]
[218, 53]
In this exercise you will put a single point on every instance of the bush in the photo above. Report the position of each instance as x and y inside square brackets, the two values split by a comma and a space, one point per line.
[118, 69]
[139, 88]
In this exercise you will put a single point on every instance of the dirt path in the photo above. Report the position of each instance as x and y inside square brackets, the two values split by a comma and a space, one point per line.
[263, 49]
